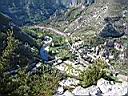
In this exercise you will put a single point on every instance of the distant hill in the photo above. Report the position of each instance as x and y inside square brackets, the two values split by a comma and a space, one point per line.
[33, 11]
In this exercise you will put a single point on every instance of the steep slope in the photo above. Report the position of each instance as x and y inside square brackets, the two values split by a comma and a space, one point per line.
[84, 19]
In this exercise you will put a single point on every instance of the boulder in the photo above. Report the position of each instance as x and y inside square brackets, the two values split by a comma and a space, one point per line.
[60, 91]
[93, 91]
[79, 91]
[104, 85]
[69, 82]
[67, 93]
[117, 89]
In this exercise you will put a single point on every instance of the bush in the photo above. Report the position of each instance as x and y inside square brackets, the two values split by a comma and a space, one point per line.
[43, 83]
[8, 51]
[93, 73]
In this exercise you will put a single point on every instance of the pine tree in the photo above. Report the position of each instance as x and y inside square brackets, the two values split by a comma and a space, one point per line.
[8, 51]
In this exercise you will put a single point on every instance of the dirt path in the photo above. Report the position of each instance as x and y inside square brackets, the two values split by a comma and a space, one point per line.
[51, 29]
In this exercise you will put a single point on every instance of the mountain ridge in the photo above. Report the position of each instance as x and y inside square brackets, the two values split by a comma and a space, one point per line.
[31, 11]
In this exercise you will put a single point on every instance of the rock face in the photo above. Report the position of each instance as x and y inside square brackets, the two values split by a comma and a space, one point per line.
[30, 11]
[110, 31]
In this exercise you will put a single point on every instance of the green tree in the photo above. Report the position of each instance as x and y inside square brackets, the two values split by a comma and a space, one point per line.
[8, 51]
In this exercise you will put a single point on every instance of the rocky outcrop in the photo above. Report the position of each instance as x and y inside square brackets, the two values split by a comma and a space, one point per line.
[90, 91]
[103, 88]
[109, 89]
[110, 31]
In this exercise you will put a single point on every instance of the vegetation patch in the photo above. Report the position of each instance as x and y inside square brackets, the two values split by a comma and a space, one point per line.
[20, 82]
[93, 73]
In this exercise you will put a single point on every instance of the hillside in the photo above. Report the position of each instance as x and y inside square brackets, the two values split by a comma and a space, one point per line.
[35, 11]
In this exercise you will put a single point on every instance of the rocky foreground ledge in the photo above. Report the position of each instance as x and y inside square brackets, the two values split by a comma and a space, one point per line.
[71, 86]
[102, 88]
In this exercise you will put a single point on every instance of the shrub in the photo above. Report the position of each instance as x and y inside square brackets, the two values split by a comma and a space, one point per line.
[8, 51]
[93, 73]
[44, 83]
